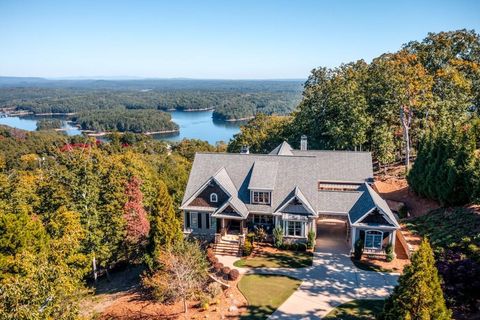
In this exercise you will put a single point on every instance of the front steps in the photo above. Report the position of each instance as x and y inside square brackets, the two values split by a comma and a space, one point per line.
[228, 246]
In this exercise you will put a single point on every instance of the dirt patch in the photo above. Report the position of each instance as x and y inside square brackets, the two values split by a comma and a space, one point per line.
[135, 306]
[122, 298]
[397, 189]
[380, 263]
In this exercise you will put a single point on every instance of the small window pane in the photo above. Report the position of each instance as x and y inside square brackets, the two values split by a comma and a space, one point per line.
[187, 220]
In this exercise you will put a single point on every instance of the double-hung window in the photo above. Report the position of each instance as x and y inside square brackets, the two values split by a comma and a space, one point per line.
[294, 228]
[373, 239]
[199, 220]
[207, 220]
[261, 197]
[187, 220]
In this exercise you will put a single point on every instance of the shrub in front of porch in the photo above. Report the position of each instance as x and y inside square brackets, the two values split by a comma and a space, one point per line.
[311, 239]
[247, 247]
[278, 237]
[389, 253]
[358, 250]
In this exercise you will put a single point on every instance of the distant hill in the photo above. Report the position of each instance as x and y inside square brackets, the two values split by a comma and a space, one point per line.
[231, 99]
[160, 84]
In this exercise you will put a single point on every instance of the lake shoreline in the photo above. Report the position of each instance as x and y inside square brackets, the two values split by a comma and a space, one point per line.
[92, 133]
[192, 125]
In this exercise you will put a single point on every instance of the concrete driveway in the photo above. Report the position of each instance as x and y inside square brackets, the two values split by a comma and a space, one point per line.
[332, 279]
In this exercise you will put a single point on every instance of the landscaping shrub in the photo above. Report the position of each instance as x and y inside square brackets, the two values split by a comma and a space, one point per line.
[293, 246]
[301, 247]
[234, 274]
[261, 235]
[311, 239]
[204, 302]
[250, 237]
[247, 248]
[218, 266]
[358, 252]
[214, 289]
[213, 260]
[278, 237]
[389, 251]
[210, 253]
[226, 271]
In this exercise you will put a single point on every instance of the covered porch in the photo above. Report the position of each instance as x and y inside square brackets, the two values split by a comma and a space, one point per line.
[375, 239]
[231, 226]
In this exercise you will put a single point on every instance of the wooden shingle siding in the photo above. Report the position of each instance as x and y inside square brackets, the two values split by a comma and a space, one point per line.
[203, 199]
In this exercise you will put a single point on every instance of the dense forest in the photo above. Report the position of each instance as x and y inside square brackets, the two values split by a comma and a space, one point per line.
[72, 208]
[125, 120]
[385, 106]
[230, 99]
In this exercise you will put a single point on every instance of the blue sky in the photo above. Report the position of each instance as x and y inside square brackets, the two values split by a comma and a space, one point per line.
[212, 39]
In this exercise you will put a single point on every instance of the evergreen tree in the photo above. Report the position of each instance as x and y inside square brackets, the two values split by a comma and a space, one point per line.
[418, 295]
[166, 229]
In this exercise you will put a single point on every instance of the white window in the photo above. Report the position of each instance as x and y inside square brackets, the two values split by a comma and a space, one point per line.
[294, 228]
[261, 197]
[373, 239]
[213, 197]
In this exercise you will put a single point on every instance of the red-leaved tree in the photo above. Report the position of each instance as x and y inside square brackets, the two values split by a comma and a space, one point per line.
[137, 224]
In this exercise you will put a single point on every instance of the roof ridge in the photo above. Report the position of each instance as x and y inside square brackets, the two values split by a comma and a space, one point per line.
[256, 154]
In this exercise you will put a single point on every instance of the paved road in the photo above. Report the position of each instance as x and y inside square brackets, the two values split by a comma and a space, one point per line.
[332, 279]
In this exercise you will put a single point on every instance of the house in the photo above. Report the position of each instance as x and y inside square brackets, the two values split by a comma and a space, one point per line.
[295, 189]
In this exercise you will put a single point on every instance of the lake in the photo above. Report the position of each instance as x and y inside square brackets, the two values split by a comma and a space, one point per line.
[193, 125]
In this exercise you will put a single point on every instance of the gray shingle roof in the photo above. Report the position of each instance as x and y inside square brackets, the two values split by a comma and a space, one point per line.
[288, 173]
[303, 171]
[224, 180]
[369, 200]
[264, 174]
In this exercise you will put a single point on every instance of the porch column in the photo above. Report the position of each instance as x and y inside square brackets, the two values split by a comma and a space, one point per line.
[394, 237]
[354, 232]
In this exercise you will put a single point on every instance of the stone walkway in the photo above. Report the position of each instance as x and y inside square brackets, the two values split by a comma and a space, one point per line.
[332, 280]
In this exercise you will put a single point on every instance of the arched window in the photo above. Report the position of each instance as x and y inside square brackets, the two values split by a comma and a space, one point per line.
[373, 239]
[213, 197]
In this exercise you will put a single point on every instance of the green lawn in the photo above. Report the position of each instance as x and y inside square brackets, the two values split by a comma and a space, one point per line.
[265, 293]
[284, 259]
[356, 310]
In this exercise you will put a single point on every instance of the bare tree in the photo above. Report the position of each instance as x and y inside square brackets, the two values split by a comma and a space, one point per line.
[182, 276]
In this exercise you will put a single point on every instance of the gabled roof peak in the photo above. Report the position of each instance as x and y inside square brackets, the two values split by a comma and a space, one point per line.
[283, 149]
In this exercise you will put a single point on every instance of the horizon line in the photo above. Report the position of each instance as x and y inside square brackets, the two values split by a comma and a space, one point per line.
[115, 78]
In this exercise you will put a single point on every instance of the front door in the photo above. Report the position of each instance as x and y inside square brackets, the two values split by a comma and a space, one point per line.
[233, 226]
